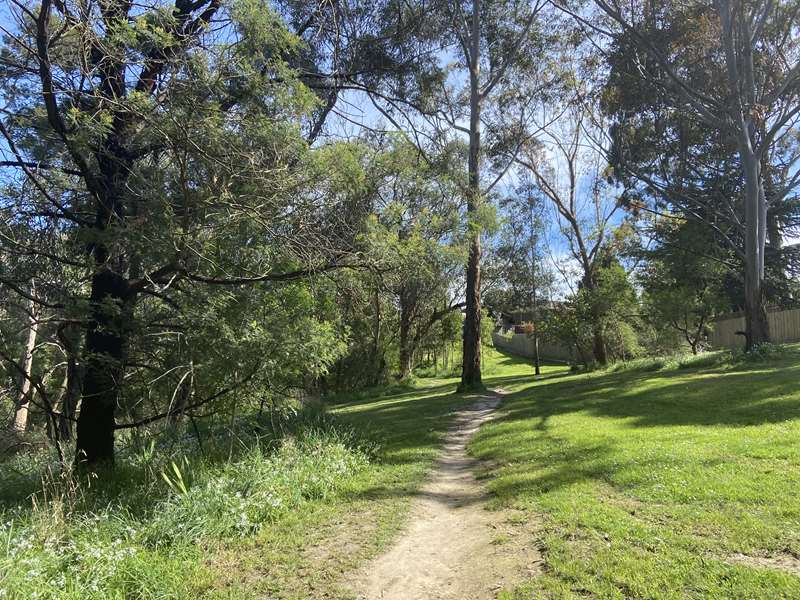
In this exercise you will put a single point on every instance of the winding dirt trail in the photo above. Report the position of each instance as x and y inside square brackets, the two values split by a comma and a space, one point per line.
[453, 548]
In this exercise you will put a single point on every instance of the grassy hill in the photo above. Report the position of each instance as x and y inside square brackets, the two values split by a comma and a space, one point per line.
[661, 480]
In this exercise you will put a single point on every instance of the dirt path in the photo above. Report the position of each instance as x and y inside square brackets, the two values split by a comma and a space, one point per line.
[453, 548]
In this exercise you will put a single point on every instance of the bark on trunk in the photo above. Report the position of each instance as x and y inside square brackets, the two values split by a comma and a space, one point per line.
[106, 341]
[599, 346]
[378, 354]
[20, 421]
[599, 351]
[72, 383]
[406, 343]
[471, 359]
[756, 324]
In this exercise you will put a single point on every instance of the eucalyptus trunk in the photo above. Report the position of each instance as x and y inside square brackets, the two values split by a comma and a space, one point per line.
[20, 421]
[756, 322]
[471, 360]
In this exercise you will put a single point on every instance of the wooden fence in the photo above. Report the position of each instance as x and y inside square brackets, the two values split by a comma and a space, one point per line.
[521, 344]
[784, 326]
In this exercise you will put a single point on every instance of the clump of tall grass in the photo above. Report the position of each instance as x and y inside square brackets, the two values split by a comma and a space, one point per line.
[141, 533]
[762, 353]
[672, 362]
[238, 498]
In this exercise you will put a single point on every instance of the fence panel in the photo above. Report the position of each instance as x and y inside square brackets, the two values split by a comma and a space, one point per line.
[784, 326]
[522, 345]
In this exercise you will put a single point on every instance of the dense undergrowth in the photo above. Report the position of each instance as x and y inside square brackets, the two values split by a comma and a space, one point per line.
[684, 360]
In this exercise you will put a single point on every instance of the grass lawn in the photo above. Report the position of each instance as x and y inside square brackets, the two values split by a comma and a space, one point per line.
[136, 536]
[655, 480]
[681, 482]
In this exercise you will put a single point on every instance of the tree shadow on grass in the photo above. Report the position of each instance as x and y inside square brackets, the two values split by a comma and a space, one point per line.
[728, 398]
[537, 460]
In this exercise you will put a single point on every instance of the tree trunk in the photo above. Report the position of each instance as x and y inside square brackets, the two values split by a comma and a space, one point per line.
[106, 341]
[406, 343]
[599, 346]
[534, 313]
[20, 420]
[743, 94]
[471, 359]
[756, 323]
[598, 337]
[378, 355]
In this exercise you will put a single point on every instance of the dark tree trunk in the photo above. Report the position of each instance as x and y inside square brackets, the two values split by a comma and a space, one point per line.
[106, 341]
[599, 346]
[756, 321]
[599, 351]
[378, 354]
[471, 359]
[406, 341]
[110, 301]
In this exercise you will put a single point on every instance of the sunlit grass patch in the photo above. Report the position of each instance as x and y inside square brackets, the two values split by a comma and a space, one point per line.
[245, 515]
[649, 481]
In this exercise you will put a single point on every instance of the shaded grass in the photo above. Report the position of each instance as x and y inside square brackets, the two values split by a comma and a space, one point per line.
[649, 479]
[70, 544]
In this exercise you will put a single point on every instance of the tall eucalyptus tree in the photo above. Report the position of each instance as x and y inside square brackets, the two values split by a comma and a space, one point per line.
[158, 156]
[728, 71]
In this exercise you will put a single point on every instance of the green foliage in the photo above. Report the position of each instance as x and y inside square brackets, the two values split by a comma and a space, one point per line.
[683, 281]
[658, 140]
[763, 353]
[609, 308]
[517, 259]
[412, 232]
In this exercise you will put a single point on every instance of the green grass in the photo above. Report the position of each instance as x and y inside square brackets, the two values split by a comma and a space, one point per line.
[281, 519]
[661, 478]
[656, 480]
[305, 558]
